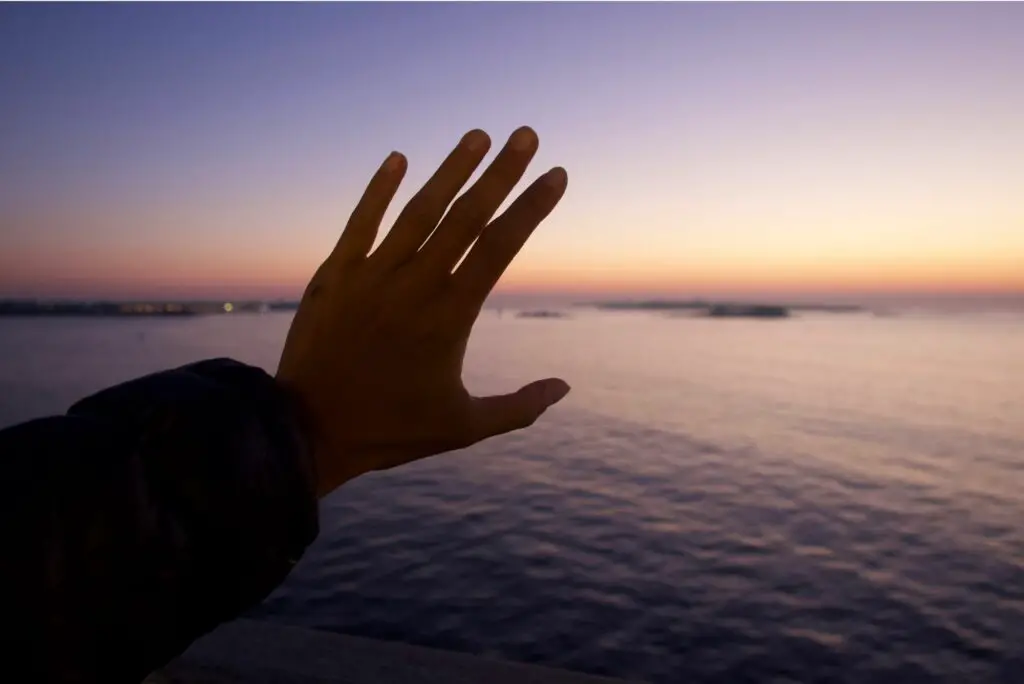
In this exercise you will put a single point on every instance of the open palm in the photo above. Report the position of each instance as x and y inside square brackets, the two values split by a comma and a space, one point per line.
[374, 355]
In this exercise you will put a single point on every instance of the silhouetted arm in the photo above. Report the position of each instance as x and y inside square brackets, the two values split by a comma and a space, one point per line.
[147, 515]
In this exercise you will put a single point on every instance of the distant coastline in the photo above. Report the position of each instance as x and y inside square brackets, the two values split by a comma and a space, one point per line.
[134, 309]
[542, 313]
[720, 309]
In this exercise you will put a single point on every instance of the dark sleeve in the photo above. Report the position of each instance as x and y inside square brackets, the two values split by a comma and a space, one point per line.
[147, 515]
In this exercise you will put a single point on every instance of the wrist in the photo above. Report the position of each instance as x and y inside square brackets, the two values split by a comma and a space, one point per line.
[329, 466]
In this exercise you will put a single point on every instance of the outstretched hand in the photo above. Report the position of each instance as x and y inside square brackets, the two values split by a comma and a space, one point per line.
[374, 354]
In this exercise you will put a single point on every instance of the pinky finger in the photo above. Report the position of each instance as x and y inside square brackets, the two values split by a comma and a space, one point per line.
[502, 239]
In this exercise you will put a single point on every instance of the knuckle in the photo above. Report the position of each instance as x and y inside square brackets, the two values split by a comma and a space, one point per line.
[464, 213]
[487, 264]
[478, 203]
[422, 209]
[525, 420]
[313, 291]
[489, 249]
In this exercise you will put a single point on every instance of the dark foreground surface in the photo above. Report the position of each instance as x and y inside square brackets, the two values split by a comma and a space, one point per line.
[252, 652]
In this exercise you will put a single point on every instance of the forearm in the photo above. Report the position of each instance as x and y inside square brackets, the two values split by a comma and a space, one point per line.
[148, 515]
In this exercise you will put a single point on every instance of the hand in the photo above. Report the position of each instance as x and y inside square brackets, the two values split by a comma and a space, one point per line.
[374, 354]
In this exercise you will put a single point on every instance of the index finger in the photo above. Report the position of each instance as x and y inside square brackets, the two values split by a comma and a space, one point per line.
[361, 229]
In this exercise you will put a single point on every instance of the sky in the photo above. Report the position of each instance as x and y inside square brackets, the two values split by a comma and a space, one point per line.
[807, 150]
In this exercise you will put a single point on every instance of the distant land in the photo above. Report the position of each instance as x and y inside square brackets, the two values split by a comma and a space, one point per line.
[721, 309]
[542, 313]
[138, 308]
[713, 308]
[150, 308]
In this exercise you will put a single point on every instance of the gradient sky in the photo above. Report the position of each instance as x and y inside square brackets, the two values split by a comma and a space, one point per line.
[216, 150]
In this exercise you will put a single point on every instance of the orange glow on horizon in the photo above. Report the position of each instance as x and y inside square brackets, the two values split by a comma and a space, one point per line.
[259, 268]
[991, 273]
[288, 281]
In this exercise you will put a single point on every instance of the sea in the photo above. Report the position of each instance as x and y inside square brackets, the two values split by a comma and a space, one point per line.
[825, 498]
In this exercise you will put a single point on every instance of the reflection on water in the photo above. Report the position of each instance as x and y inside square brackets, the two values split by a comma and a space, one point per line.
[826, 498]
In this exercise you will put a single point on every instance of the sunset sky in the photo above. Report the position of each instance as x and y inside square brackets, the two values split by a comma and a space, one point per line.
[173, 150]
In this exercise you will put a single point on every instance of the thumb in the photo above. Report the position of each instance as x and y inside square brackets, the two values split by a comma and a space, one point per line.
[507, 412]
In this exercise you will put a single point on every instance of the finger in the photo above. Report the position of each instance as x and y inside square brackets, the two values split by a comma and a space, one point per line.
[474, 209]
[505, 236]
[421, 215]
[361, 230]
[504, 413]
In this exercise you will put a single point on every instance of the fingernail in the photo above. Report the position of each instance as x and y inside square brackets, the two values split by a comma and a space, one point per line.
[475, 140]
[556, 177]
[555, 391]
[523, 139]
[394, 161]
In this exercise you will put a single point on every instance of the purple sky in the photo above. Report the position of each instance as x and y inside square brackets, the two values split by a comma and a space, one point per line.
[214, 150]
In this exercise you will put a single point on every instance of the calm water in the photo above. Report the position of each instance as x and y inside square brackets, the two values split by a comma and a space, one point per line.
[827, 498]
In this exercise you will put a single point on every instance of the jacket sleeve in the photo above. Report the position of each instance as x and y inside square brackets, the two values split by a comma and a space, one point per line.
[146, 516]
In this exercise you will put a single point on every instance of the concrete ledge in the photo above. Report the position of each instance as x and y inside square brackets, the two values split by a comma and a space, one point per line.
[263, 653]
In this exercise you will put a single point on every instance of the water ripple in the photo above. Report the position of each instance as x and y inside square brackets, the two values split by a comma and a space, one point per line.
[832, 499]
